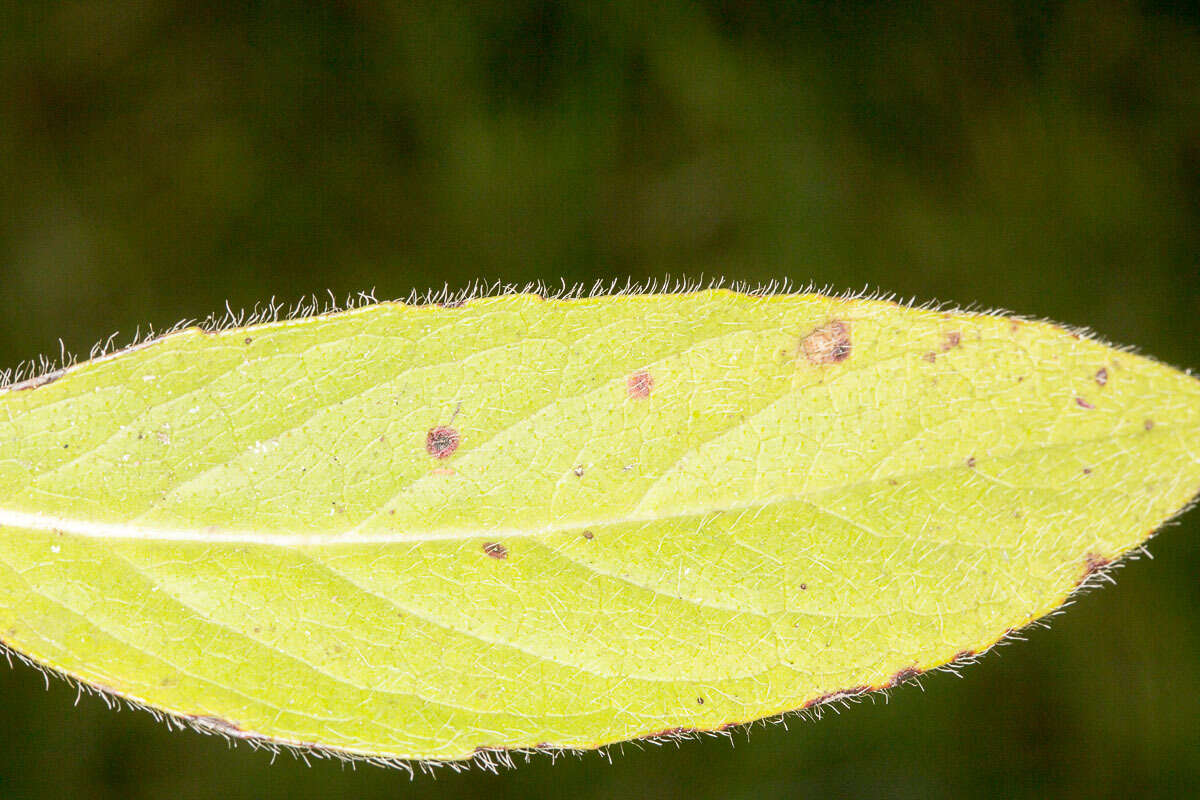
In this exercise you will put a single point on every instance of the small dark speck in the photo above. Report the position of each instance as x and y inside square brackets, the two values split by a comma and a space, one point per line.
[700, 700]
[930, 356]
[803, 586]
[578, 471]
[589, 535]
[1079, 401]
[248, 340]
[971, 462]
[495, 549]
[65, 446]
[1148, 424]
[392, 511]
[893, 482]
[1102, 376]
[1087, 470]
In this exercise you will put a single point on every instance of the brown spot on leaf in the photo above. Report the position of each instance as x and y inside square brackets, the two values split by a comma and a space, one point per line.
[248, 340]
[951, 340]
[828, 344]
[639, 384]
[578, 471]
[1087, 470]
[1093, 564]
[803, 587]
[853, 691]
[441, 441]
[700, 701]
[1102, 376]
[906, 674]
[1079, 401]
[589, 535]
[495, 549]
[930, 356]
[1148, 424]
[971, 462]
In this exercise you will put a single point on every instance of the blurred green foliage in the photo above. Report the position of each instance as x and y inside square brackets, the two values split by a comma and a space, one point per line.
[159, 158]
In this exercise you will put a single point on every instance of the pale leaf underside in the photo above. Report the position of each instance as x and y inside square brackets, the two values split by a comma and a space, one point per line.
[417, 532]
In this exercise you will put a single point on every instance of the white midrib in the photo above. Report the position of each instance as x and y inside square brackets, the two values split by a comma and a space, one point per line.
[36, 521]
[93, 529]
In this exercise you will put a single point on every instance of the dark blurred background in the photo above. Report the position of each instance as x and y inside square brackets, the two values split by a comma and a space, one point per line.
[159, 158]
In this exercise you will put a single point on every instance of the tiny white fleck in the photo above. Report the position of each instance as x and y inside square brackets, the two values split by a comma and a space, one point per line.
[54, 548]
[148, 378]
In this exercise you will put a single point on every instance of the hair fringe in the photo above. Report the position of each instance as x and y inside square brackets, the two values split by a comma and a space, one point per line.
[43, 369]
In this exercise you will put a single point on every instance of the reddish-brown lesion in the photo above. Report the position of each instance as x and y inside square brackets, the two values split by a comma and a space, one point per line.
[951, 340]
[441, 441]
[639, 384]
[828, 344]
[1093, 564]
[839, 694]
[903, 676]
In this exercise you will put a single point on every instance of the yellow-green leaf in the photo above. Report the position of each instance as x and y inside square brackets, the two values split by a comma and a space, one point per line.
[416, 532]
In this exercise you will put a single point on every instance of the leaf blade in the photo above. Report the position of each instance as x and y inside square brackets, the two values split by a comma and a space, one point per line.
[660, 512]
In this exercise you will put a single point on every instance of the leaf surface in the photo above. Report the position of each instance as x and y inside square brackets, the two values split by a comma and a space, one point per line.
[416, 532]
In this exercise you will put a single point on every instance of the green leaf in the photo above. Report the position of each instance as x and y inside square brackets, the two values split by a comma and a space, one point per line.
[417, 532]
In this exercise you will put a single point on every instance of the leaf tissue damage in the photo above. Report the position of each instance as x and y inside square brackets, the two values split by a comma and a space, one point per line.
[451, 531]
